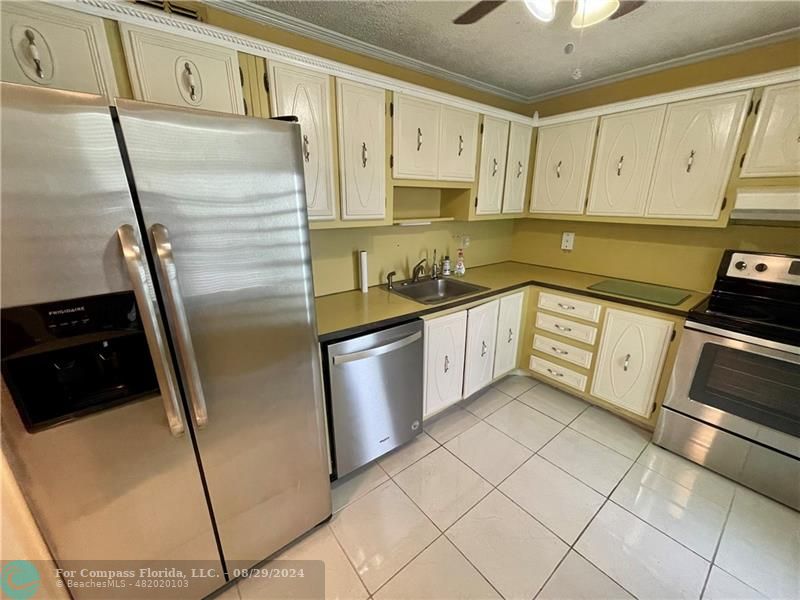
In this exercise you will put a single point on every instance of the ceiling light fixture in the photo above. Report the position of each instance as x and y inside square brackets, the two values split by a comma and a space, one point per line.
[544, 10]
[591, 12]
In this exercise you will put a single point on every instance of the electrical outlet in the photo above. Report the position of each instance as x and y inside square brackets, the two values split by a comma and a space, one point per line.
[567, 240]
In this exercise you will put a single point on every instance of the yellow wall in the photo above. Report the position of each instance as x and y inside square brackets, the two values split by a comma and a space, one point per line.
[677, 256]
[334, 251]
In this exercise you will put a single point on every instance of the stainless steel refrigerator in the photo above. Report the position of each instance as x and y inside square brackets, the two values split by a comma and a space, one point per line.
[163, 396]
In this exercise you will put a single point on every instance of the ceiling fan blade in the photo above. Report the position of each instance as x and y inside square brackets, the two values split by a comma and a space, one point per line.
[477, 12]
[626, 6]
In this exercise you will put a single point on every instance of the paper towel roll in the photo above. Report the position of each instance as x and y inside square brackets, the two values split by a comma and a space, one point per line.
[363, 276]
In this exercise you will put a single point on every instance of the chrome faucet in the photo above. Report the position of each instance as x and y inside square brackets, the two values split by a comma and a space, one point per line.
[418, 270]
[435, 267]
[390, 280]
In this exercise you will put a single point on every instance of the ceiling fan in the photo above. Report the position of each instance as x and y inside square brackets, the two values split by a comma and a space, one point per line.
[587, 12]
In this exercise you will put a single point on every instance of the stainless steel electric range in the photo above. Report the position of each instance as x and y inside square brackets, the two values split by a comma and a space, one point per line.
[733, 403]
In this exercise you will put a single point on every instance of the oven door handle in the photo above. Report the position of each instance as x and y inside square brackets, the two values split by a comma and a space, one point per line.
[742, 337]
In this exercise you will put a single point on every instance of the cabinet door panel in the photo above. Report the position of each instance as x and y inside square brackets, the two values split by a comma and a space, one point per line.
[445, 338]
[481, 338]
[561, 173]
[774, 149]
[362, 150]
[695, 156]
[306, 95]
[494, 147]
[72, 49]
[629, 363]
[175, 70]
[508, 325]
[519, 153]
[416, 138]
[623, 164]
[458, 144]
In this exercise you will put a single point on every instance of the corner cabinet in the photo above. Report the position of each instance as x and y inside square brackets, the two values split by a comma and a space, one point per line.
[494, 149]
[623, 163]
[508, 328]
[416, 138]
[695, 156]
[362, 149]
[445, 338]
[171, 69]
[631, 356]
[306, 95]
[774, 148]
[519, 153]
[458, 142]
[48, 46]
[481, 338]
[561, 172]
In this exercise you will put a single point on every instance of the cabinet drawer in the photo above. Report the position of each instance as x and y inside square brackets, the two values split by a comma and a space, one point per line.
[565, 327]
[578, 356]
[570, 306]
[558, 373]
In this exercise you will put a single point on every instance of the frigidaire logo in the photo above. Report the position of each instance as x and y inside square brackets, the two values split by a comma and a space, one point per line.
[20, 579]
[66, 311]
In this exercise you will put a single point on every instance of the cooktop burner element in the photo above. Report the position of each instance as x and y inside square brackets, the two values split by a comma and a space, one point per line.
[755, 294]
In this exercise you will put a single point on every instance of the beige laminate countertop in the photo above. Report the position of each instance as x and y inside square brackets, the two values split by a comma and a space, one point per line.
[351, 312]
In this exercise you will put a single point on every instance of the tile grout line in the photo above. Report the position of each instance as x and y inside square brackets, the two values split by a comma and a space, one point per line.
[719, 543]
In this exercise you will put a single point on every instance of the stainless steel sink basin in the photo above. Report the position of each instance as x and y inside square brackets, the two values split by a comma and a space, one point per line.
[434, 291]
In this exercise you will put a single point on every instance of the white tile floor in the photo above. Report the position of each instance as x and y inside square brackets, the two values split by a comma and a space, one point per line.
[527, 492]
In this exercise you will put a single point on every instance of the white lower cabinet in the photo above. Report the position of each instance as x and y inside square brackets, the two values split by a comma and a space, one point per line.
[508, 325]
[629, 363]
[445, 338]
[481, 338]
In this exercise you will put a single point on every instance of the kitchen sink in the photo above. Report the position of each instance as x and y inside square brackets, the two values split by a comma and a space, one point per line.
[434, 291]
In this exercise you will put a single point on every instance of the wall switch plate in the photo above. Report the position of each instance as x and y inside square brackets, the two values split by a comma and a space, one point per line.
[567, 240]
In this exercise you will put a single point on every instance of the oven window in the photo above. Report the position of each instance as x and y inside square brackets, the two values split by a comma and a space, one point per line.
[758, 388]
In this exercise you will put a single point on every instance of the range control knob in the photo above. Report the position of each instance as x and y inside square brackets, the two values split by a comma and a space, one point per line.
[741, 265]
[761, 267]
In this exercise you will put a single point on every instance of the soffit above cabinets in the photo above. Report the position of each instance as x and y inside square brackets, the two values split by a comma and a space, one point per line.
[510, 53]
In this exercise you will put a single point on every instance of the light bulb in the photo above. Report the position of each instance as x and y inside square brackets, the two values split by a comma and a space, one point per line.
[544, 10]
[591, 12]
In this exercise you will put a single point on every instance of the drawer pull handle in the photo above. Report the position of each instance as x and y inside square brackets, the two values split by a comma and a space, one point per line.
[419, 138]
[554, 373]
[559, 351]
[446, 363]
[690, 162]
[306, 150]
[565, 306]
[34, 50]
[510, 335]
[483, 349]
[190, 80]
[364, 154]
[627, 362]
[562, 327]
[460, 145]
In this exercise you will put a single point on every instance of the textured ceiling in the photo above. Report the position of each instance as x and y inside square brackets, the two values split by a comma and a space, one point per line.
[511, 53]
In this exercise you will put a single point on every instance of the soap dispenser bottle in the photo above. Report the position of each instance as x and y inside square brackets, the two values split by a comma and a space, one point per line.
[460, 267]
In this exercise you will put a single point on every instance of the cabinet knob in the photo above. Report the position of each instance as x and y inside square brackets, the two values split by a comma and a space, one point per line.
[690, 162]
[419, 138]
[34, 50]
[619, 165]
[306, 148]
[558, 170]
[187, 68]
[446, 363]
[494, 167]
[364, 154]
[460, 145]
[626, 362]
[483, 349]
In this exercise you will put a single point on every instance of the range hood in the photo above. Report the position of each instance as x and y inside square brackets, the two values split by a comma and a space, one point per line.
[767, 204]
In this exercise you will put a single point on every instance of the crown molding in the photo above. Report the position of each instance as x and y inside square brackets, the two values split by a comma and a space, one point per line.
[128, 12]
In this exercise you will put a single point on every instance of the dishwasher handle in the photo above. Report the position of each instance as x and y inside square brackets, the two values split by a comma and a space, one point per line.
[339, 359]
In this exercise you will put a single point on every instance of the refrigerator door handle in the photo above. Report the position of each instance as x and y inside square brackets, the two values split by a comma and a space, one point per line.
[132, 252]
[174, 304]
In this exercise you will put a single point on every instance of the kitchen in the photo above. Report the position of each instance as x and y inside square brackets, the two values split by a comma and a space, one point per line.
[630, 249]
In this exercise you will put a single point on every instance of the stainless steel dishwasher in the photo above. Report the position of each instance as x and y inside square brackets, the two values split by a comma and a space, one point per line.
[375, 393]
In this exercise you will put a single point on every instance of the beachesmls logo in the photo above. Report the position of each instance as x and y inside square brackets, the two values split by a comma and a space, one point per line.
[20, 579]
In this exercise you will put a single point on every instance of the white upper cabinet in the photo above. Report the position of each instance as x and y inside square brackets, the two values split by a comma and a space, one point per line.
[54, 47]
[774, 149]
[561, 172]
[632, 352]
[362, 150]
[306, 95]
[458, 144]
[481, 338]
[695, 156]
[416, 138]
[494, 147]
[508, 327]
[445, 338]
[176, 70]
[519, 153]
[623, 162]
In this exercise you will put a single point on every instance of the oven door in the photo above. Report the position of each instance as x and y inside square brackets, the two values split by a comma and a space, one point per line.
[747, 386]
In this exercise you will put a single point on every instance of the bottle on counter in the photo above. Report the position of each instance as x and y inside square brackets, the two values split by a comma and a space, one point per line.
[460, 266]
[446, 265]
